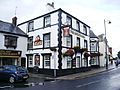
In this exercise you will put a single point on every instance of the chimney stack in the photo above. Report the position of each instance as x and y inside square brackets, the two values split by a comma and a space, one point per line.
[50, 7]
[14, 21]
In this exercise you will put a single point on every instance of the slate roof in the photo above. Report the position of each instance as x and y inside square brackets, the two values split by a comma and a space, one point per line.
[6, 27]
[92, 35]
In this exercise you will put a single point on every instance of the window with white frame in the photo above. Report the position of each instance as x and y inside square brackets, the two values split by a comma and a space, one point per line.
[47, 21]
[69, 61]
[46, 61]
[10, 41]
[78, 61]
[69, 41]
[30, 60]
[85, 44]
[84, 29]
[30, 43]
[78, 26]
[30, 26]
[93, 46]
[78, 42]
[69, 21]
[46, 40]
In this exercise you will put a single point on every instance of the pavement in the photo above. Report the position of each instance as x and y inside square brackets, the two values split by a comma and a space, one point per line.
[73, 76]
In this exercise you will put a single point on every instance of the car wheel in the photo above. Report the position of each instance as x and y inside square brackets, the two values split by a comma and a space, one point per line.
[11, 79]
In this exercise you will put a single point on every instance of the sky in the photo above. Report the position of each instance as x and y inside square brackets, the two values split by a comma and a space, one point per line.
[91, 12]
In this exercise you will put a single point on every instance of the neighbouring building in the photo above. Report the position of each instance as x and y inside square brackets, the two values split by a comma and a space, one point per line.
[94, 50]
[58, 43]
[12, 44]
[102, 50]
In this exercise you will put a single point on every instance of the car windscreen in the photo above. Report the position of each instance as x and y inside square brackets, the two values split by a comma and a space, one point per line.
[19, 68]
[10, 68]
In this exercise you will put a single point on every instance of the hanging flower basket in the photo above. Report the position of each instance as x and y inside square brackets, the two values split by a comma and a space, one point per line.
[86, 55]
[69, 52]
[53, 49]
[76, 49]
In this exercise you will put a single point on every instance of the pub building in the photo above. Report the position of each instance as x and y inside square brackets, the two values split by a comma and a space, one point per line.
[57, 43]
[12, 44]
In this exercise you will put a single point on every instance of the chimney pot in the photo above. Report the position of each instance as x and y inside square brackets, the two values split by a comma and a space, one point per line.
[14, 20]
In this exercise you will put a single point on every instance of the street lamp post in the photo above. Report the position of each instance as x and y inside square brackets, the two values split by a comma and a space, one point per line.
[106, 42]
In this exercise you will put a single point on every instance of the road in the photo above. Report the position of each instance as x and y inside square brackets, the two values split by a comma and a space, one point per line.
[109, 80]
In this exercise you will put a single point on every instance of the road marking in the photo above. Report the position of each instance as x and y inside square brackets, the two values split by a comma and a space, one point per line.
[5, 87]
[87, 83]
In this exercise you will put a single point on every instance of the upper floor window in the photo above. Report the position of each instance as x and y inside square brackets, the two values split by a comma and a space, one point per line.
[85, 44]
[78, 42]
[10, 41]
[30, 26]
[93, 46]
[30, 42]
[77, 25]
[84, 29]
[69, 41]
[47, 21]
[69, 21]
[46, 40]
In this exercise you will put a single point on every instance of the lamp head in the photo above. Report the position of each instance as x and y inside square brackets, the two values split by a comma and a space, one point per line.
[109, 22]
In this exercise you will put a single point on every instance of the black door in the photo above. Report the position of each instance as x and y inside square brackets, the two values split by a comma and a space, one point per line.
[23, 61]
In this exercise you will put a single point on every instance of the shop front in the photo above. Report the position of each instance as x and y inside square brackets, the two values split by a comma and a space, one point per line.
[10, 57]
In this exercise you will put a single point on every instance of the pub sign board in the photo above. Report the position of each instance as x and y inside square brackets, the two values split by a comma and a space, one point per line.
[10, 53]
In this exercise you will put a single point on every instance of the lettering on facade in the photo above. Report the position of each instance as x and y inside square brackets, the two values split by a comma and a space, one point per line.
[37, 41]
[10, 53]
[76, 33]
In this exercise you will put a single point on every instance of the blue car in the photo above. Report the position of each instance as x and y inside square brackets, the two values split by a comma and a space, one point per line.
[13, 73]
[117, 62]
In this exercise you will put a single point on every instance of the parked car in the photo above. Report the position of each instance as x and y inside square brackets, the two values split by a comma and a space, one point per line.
[117, 62]
[13, 73]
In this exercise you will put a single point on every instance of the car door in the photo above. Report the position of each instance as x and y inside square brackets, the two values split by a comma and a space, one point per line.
[2, 73]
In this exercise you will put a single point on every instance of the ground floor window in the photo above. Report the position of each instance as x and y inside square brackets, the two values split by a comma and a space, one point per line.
[30, 60]
[46, 61]
[69, 59]
[8, 61]
[84, 62]
[78, 60]
[74, 62]
[37, 60]
[94, 61]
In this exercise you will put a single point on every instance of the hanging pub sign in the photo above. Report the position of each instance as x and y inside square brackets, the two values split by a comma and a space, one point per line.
[66, 31]
[37, 60]
[37, 41]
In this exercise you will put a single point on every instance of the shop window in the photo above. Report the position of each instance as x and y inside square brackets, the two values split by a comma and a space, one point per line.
[46, 40]
[46, 61]
[30, 43]
[10, 41]
[47, 21]
[30, 26]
